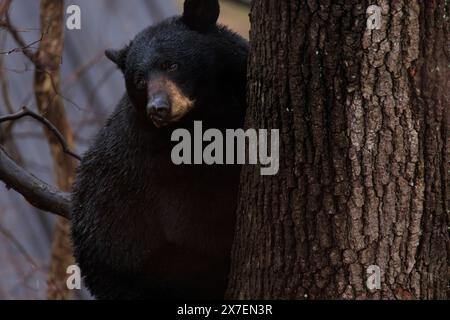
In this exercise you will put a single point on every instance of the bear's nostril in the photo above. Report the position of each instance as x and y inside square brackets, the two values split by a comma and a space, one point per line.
[160, 110]
[158, 107]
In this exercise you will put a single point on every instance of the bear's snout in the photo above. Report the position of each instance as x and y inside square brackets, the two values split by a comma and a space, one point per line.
[166, 101]
[158, 109]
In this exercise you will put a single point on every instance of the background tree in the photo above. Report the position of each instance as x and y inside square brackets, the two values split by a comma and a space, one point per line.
[46, 62]
[363, 118]
[47, 87]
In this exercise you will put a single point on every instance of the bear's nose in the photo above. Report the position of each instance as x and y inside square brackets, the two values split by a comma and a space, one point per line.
[158, 107]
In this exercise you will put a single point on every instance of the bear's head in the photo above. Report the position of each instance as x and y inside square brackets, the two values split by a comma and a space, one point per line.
[179, 68]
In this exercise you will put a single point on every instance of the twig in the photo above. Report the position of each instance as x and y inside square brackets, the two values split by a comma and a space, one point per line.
[6, 133]
[24, 47]
[28, 113]
[4, 81]
[16, 243]
[81, 70]
[4, 7]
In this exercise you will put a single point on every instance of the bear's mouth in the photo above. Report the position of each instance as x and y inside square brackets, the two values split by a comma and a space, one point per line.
[159, 122]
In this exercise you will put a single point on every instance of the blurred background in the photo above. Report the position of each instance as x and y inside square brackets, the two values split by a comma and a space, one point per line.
[91, 86]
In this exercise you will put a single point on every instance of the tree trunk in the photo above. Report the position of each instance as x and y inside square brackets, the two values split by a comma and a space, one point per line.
[363, 119]
[50, 104]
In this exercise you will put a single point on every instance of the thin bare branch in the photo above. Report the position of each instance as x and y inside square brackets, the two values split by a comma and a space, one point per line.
[81, 70]
[23, 46]
[28, 113]
[20, 248]
[3, 80]
[4, 7]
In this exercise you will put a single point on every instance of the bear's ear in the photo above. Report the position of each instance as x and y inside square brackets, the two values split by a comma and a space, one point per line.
[200, 15]
[119, 57]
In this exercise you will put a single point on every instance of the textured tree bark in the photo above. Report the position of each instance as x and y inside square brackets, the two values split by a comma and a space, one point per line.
[50, 104]
[363, 118]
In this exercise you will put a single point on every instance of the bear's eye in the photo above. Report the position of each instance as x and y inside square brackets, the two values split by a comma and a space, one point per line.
[173, 67]
[141, 84]
[170, 67]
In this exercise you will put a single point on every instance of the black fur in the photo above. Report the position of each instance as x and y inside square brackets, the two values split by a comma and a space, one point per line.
[144, 228]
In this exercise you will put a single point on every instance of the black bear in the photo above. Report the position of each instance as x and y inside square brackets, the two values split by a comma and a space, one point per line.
[144, 228]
